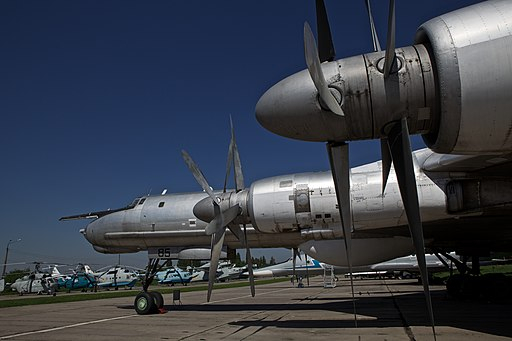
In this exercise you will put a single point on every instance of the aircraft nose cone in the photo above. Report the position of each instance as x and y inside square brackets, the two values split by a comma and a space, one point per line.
[204, 210]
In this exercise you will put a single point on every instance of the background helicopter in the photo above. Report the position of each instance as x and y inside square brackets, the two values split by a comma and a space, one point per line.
[117, 276]
[40, 281]
[82, 278]
[174, 275]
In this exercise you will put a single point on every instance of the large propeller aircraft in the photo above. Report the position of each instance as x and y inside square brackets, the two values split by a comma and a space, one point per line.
[285, 211]
[451, 86]
[428, 89]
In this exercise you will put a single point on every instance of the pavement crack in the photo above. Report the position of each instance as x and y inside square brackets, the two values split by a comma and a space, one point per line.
[407, 328]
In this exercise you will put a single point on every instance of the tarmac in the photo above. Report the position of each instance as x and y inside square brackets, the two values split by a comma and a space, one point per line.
[386, 310]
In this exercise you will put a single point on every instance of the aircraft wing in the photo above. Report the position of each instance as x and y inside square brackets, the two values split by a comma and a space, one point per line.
[485, 165]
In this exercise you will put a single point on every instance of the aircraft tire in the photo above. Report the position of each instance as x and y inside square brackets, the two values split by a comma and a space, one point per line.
[144, 303]
[158, 299]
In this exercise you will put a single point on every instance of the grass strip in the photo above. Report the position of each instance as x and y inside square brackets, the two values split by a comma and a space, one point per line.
[47, 299]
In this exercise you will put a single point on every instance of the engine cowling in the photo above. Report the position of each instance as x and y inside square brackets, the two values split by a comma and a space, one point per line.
[304, 201]
[471, 51]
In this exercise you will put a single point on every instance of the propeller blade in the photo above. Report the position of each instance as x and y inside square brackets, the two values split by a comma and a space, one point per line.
[248, 260]
[390, 44]
[294, 263]
[315, 71]
[307, 268]
[234, 158]
[217, 242]
[237, 231]
[338, 158]
[400, 147]
[239, 176]
[386, 162]
[325, 45]
[375, 37]
[228, 164]
[222, 219]
[198, 175]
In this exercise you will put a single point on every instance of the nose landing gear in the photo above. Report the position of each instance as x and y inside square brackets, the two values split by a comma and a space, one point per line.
[150, 302]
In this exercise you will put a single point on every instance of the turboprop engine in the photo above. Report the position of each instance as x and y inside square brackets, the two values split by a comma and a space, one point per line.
[452, 85]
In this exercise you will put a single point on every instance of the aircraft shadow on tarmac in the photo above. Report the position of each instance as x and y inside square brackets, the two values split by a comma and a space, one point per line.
[402, 310]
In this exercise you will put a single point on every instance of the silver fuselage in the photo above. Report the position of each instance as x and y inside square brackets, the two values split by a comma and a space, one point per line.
[295, 210]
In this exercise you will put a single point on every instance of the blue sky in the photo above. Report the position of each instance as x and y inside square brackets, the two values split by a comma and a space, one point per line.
[98, 98]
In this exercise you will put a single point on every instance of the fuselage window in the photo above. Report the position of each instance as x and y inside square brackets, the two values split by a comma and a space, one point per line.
[161, 204]
[327, 215]
[192, 222]
[286, 183]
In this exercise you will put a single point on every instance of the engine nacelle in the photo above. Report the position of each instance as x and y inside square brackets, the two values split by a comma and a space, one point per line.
[471, 51]
[293, 202]
[333, 251]
[109, 250]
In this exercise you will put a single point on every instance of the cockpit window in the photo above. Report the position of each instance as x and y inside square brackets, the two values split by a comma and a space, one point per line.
[134, 203]
[142, 201]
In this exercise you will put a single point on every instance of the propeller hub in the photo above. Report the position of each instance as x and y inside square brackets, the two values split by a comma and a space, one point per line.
[204, 210]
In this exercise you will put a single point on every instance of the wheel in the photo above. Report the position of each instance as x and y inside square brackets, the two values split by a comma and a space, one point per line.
[144, 303]
[494, 287]
[158, 299]
[454, 285]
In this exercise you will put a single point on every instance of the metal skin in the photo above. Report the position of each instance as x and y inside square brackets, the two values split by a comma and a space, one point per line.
[299, 210]
[453, 87]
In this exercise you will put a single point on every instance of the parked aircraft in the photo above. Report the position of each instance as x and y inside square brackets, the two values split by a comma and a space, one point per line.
[179, 233]
[115, 277]
[37, 282]
[301, 266]
[451, 87]
[174, 275]
[312, 267]
[308, 212]
[230, 271]
[81, 278]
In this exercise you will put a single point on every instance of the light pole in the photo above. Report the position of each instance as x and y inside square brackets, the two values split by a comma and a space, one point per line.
[7, 253]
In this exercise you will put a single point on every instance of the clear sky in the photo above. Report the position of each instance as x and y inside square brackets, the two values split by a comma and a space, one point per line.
[98, 98]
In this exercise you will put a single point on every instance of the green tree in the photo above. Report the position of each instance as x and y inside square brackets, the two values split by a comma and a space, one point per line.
[13, 275]
[183, 263]
[238, 260]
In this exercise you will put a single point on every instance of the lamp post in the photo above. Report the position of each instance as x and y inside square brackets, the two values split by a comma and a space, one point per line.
[7, 253]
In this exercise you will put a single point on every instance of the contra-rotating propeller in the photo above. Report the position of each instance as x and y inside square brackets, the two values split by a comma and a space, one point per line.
[395, 143]
[225, 211]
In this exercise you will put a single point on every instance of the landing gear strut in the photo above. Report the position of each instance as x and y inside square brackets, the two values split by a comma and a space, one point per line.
[150, 302]
[469, 283]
